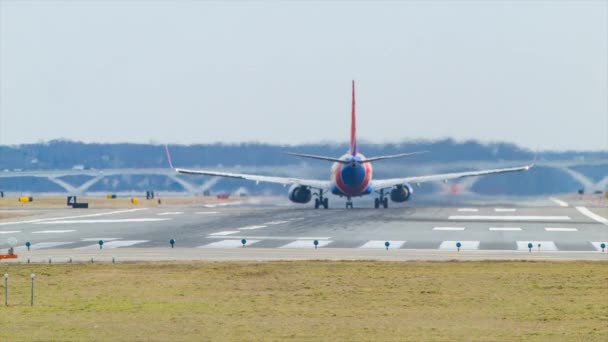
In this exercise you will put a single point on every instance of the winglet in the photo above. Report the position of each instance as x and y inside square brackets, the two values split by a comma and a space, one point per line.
[169, 156]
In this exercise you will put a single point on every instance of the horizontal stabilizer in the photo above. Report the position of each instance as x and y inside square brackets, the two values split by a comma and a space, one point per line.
[312, 156]
[394, 156]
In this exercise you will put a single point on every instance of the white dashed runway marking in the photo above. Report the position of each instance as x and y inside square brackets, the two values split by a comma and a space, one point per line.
[468, 209]
[275, 222]
[171, 213]
[550, 229]
[228, 244]
[43, 245]
[252, 227]
[592, 215]
[504, 229]
[544, 245]
[114, 244]
[505, 210]
[224, 233]
[133, 220]
[451, 245]
[97, 239]
[558, 202]
[206, 212]
[381, 244]
[449, 228]
[306, 244]
[507, 218]
[72, 217]
[10, 232]
[53, 231]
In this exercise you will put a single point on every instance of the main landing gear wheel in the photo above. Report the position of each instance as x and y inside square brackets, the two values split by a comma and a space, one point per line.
[349, 204]
[385, 203]
[376, 203]
[325, 203]
[321, 201]
[381, 201]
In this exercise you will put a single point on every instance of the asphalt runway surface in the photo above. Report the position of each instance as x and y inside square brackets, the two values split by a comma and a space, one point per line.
[289, 232]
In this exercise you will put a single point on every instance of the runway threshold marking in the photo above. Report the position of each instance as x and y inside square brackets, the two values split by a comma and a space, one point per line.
[381, 244]
[228, 244]
[504, 229]
[592, 215]
[105, 221]
[544, 245]
[224, 233]
[558, 202]
[507, 218]
[53, 231]
[306, 244]
[10, 232]
[252, 227]
[451, 245]
[505, 210]
[598, 245]
[73, 217]
[468, 209]
[449, 228]
[560, 229]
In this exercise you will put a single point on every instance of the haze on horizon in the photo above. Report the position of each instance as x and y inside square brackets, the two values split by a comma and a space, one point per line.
[530, 73]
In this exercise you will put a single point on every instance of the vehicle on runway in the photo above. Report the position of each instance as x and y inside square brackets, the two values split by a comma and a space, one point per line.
[350, 176]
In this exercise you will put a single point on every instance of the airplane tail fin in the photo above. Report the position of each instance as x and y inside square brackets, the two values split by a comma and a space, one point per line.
[353, 126]
[169, 156]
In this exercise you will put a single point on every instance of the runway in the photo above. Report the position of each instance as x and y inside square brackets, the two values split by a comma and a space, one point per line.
[276, 232]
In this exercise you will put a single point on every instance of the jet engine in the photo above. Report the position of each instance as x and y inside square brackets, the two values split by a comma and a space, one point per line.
[300, 194]
[401, 193]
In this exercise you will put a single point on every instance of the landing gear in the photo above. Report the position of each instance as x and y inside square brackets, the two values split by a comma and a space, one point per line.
[321, 201]
[349, 203]
[381, 200]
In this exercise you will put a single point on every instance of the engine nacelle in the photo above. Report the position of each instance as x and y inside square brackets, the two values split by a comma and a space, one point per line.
[300, 194]
[401, 193]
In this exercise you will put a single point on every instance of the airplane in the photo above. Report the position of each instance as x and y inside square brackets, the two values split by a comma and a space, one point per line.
[350, 176]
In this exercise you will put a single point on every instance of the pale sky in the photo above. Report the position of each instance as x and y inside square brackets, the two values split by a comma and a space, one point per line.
[530, 73]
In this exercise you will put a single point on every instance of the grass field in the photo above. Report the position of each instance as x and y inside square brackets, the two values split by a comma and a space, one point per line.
[304, 300]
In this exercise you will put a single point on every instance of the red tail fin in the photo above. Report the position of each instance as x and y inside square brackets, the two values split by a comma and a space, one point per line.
[353, 126]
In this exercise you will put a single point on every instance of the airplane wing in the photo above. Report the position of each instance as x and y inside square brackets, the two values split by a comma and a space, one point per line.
[388, 183]
[317, 184]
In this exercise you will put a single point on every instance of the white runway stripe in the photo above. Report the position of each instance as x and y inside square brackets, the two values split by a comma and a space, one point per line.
[73, 217]
[43, 245]
[101, 238]
[275, 222]
[504, 228]
[592, 215]
[114, 244]
[598, 245]
[10, 232]
[252, 227]
[171, 213]
[558, 202]
[544, 245]
[451, 245]
[468, 209]
[380, 244]
[507, 218]
[206, 212]
[551, 229]
[224, 233]
[53, 231]
[505, 210]
[133, 220]
[306, 244]
[449, 228]
[228, 244]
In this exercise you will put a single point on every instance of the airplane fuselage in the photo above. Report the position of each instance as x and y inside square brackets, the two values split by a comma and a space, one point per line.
[353, 178]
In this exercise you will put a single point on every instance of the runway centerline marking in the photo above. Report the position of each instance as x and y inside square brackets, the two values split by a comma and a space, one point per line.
[559, 229]
[170, 213]
[54, 231]
[465, 245]
[507, 218]
[558, 202]
[544, 245]
[449, 228]
[306, 244]
[228, 244]
[224, 233]
[205, 212]
[73, 217]
[252, 227]
[10, 231]
[275, 222]
[505, 210]
[381, 244]
[504, 228]
[105, 221]
[468, 209]
[592, 215]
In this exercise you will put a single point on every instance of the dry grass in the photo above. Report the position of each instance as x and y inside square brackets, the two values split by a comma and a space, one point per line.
[303, 300]
[102, 202]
